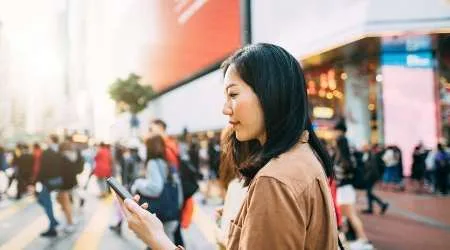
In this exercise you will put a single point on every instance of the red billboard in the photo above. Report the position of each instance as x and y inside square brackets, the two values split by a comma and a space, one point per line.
[190, 36]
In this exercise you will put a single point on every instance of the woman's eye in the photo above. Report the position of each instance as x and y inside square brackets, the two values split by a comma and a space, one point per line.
[232, 95]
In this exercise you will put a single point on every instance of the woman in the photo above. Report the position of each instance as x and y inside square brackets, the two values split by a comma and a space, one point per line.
[156, 175]
[418, 168]
[288, 204]
[346, 195]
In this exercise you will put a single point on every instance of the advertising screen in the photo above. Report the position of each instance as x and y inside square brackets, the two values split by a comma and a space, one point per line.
[189, 37]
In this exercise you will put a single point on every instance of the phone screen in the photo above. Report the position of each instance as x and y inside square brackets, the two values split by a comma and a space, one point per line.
[119, 189]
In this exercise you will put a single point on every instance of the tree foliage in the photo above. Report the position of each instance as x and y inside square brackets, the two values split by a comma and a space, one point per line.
[130, 95]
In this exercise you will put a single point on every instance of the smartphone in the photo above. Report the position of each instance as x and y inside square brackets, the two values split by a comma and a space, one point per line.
[119, 189]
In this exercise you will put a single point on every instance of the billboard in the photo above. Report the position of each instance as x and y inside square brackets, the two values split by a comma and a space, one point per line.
[189, 37]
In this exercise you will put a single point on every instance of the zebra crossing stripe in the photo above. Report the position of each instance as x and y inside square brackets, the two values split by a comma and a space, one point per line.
[91, 236]
[16, 207]
[27, 235]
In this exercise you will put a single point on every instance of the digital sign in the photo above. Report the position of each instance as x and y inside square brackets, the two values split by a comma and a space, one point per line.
[189, 37]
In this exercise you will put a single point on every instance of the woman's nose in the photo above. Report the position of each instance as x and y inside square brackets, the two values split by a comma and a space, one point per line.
[226, 110]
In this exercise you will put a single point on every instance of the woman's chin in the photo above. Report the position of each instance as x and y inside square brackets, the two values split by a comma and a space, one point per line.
[242, 137]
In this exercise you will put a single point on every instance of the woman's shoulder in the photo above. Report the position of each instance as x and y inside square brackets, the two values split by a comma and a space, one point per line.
[157, 162]
[297, 169]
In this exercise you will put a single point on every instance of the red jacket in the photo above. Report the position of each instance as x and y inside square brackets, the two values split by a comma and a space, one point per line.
[103, 163]
[172, 152]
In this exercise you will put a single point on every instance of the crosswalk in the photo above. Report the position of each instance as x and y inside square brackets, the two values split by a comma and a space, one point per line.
[21, 223]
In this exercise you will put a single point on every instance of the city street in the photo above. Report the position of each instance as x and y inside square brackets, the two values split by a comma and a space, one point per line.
[22, 221]
[412, 222]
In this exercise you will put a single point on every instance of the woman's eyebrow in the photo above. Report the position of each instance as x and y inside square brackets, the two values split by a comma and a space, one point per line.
[231, 85]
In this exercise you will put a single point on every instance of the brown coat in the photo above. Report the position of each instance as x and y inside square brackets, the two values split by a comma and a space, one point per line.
[289, 206]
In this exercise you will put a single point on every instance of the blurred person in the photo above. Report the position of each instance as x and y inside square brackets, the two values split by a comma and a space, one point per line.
[442, 169]
[50, 176]
[159, 127]
[371, 176]
[69, 170]
[189, 176]
[267, 105]
[24, 168]
[430, 171]
[346, 195]
[103, 168]
[129, 172]
[358, 178]
[119, 159]
[333, 186]
[194, 152]
[12, 171]
[212, 159]
[172, 155]
[391, 171]
[418, 167]
[3, 162]
[400, 176]
[37, 158]
[233, 185]
[158, 176]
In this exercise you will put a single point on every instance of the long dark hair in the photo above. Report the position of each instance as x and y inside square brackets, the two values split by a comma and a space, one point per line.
[277, 79]
[155, 148]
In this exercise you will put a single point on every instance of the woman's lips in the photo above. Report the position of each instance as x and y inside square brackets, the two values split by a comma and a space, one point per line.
[233, 123]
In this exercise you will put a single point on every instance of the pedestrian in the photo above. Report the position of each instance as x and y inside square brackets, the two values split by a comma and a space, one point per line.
[103, 168]
[442, 169]
[24, 170]
[371, 176]
[391, 171]
[172, 156]
[12, 171]
[288, 204]
[69, 170]
[3, 162]
[346, 195]
[50, 176]
[130, 167]
[153, 185]
[419, 167]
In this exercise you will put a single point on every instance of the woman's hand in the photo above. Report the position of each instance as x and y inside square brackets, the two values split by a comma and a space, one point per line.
[145, 225]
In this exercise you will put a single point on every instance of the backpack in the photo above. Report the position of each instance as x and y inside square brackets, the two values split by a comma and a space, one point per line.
[165, 206]
[189, 177]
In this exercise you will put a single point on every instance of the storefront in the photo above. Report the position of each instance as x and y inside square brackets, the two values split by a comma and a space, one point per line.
[342, 84]
[391, 90]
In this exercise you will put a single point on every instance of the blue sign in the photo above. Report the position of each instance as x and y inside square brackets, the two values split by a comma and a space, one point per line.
[406, 43]
[410, 60]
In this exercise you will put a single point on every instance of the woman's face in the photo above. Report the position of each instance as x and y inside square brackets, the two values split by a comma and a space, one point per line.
[243, 108]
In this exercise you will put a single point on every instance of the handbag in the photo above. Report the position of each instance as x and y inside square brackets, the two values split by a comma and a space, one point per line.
[165, 206]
